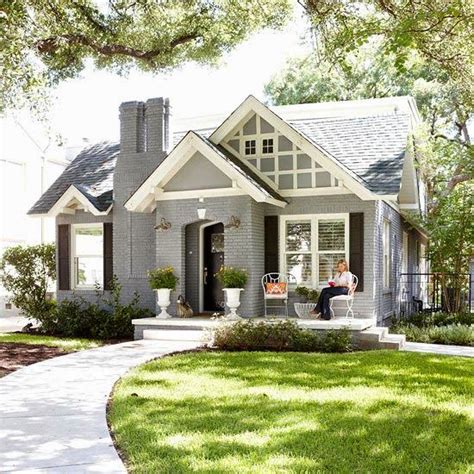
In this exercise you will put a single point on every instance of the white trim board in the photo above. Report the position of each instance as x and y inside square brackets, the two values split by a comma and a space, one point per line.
[143, 198]
[251, 105]
[72, 196]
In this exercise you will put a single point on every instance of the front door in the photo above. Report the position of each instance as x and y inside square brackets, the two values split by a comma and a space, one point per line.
[213, 260]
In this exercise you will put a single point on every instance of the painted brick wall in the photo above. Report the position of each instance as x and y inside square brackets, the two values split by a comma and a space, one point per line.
[243, 246]
[345, 203]
[388, 299]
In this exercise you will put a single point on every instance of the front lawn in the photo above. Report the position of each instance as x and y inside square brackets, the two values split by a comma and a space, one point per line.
[264, 412]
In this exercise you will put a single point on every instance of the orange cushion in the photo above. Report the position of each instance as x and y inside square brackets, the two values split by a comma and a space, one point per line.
[275, 288]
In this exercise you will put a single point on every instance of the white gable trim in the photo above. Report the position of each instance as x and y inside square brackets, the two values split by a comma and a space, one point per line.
[73, 196]
[252, 105]
[152, 188]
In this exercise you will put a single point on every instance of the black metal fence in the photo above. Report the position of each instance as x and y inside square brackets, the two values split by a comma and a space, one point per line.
[435, 292]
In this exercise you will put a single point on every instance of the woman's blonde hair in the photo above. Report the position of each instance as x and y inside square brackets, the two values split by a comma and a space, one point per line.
[344, 262]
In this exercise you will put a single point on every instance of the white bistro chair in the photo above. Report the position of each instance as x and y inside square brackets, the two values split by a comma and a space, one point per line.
[282, 297]
[349, 298]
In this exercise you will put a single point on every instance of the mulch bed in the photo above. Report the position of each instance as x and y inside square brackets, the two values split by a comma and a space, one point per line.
[14, 356]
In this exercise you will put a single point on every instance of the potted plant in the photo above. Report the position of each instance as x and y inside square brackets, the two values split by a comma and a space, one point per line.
[233, 280]
[308, 299]
[163, 281]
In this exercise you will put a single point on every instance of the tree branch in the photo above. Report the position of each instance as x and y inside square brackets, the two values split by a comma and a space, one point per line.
[51, 45]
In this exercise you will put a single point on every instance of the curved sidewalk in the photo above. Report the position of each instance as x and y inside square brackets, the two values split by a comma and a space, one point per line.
[53, 413]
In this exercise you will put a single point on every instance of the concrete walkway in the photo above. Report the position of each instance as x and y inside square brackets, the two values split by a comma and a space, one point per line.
[53, 414]
[464, 351]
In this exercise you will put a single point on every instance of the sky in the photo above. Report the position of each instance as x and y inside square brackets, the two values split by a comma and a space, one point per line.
[87, 107]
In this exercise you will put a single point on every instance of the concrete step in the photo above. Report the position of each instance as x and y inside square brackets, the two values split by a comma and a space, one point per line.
[373, 334]
[393, 341]
[174, 335]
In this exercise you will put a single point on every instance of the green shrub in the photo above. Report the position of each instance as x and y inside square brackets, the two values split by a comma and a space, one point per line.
[26, 273]
[107, 318]
[456, 334]
[248, 335]
[439, 319]
[231, 277]
[307, 294]
[163, 278]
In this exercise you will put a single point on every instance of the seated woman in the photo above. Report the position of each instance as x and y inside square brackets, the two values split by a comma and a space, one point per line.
[342, 283]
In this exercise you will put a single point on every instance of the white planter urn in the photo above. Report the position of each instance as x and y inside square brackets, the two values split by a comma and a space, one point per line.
[233, 302]
[163, 300]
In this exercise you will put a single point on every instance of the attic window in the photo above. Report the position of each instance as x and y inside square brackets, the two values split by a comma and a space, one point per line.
[267, 145]
[250, 147]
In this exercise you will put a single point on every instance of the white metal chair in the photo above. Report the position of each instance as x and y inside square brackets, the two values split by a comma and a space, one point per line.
[283, 297]
[349, 298]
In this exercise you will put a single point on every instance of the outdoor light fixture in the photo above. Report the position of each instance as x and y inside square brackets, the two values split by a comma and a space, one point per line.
[163, 226]
[201, 210]
[234, 223]
[201, 213]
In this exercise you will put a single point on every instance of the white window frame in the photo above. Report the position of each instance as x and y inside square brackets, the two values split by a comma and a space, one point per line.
[75, 285]
[386, 240]
[315, 253]
[267, 144]
[251, 146]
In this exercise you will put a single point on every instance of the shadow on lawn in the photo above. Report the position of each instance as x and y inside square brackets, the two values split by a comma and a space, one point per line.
[234, 431]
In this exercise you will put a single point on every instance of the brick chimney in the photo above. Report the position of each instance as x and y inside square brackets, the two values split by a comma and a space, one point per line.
[145, 127]
[157, 124]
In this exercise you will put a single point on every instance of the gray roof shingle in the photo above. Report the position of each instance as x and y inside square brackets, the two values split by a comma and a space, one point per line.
[371, 147]
[91, 172]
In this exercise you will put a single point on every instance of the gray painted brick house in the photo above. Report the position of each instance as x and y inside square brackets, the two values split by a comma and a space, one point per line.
[289, 189]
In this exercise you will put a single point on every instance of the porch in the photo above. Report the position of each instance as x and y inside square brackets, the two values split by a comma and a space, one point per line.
[364, 331]
[203, 323]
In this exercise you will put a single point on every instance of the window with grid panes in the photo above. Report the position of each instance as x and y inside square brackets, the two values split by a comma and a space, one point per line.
[267, 145]
[250, 147]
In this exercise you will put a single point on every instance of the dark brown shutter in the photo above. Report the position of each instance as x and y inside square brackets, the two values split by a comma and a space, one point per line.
[108, 255]
[356, 247]
[271, 244]
[64, 273]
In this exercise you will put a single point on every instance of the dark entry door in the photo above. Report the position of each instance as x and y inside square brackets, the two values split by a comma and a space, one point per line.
[213, 260]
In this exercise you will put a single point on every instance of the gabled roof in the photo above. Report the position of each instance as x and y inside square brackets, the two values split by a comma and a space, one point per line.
[368, 150]
[91, 173]
[237, 171]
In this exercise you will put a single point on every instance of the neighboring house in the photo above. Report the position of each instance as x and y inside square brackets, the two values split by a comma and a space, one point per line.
[289, 189]
[29, 164]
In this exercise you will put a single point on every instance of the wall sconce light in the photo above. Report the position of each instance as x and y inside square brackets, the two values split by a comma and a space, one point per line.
[163, 226]
[201, 209]
[234, 223]
[201, 213]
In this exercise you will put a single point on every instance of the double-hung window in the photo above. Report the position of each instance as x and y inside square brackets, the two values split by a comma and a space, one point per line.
[87, 255]
[386, 253]
[312, 245]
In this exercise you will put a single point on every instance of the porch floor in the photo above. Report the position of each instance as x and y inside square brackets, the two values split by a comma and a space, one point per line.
[199, 323]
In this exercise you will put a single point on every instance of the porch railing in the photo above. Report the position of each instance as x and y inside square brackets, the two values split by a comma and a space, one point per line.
[435, 292]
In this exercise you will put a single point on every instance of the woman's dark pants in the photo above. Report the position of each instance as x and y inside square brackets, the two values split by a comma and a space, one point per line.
[323, 302]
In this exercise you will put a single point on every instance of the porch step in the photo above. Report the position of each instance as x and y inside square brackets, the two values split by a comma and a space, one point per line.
[174, 335]
[379, 338]
[376, 333]
[393, 341]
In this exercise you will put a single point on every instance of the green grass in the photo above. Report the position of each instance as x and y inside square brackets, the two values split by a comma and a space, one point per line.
[68, 344]
[300, 413]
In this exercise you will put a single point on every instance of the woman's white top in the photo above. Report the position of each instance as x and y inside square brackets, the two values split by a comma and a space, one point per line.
[343, 279]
